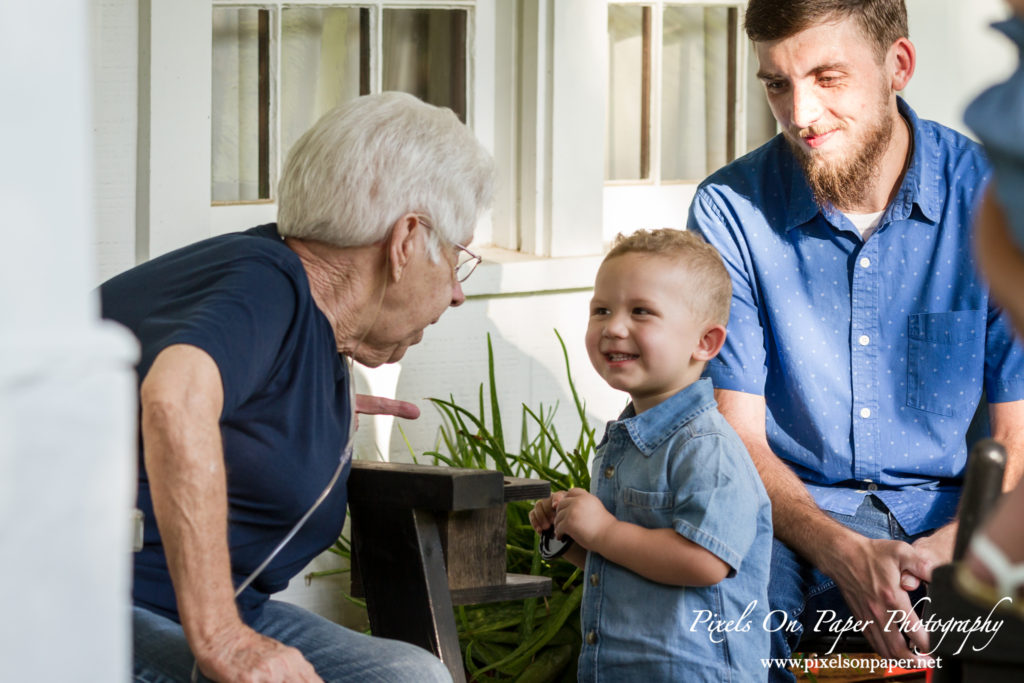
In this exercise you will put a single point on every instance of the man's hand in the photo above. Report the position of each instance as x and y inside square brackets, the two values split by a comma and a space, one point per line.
[242, 654]
[933, 551]
[583, 516]
[378, 405]
[868, 573]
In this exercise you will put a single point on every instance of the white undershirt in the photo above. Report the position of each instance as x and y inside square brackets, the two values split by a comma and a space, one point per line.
[866, 223]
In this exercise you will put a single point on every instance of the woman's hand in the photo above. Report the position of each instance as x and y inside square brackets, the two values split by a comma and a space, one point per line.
[241, 654]
[378, 405]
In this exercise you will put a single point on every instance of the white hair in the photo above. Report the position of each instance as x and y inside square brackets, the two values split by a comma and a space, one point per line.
[368, 162]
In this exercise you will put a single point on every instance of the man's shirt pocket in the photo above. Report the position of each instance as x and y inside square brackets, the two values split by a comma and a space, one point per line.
[945, 356]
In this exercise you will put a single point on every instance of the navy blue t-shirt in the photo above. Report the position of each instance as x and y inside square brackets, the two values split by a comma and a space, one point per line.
[245, 300]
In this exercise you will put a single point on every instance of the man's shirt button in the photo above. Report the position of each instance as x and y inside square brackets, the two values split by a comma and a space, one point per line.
[865, 413]
[609, 472]
[591, 638]
[594, 579]
[864, 340]
[865, 262]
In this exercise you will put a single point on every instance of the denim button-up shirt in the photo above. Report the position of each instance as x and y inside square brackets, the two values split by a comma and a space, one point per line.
[679, 465]
[871, 355]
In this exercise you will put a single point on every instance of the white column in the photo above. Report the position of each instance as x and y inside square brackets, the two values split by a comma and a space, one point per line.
[175, 57]
[564, 75]
[67, 390]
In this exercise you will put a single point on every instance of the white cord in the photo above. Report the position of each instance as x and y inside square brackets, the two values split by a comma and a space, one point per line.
[346, 455]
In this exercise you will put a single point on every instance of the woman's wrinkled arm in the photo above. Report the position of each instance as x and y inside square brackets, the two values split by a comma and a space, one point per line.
[181, 401]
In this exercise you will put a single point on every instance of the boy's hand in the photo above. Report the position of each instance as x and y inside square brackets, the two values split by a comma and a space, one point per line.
[583, 516]
[543, 513]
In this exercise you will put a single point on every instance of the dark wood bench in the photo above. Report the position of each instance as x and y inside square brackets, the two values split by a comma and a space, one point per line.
[426, 538]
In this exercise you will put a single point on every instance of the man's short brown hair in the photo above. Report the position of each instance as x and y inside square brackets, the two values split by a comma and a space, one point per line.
[882, 21]
[710, 292]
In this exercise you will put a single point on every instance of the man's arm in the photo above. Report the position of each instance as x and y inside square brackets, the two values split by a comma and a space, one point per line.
[181, 400]
[867, 571]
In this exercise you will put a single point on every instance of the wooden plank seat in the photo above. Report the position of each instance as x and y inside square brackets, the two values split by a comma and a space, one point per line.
[425, 538]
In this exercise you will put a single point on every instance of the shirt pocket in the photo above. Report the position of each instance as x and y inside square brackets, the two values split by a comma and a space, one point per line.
[945, 360]
[651, 509]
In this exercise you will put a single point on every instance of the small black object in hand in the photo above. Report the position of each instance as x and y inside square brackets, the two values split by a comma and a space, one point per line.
[551, 547]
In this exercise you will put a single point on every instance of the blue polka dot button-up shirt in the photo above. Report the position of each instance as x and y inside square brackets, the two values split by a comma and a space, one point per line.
[871, 355]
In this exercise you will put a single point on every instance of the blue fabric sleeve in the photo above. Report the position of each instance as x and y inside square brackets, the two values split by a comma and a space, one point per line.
[240, 319]
[997, 117]
[716, 503]
[1004, 359]
[740, 365]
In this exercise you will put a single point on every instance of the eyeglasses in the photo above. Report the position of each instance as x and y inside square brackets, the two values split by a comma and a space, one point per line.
[467, 260]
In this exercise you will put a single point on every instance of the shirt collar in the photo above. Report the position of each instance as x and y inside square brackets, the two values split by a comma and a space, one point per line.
[920, 186]
[651, 428]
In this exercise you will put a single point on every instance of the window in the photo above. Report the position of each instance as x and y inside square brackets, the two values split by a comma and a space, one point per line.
[674, 104]
[683, 100]
[276, 69]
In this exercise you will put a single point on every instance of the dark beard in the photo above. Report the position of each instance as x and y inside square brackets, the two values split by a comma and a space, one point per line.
[845, 184]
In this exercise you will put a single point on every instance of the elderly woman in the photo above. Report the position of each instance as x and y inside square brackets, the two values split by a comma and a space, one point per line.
[245, 395]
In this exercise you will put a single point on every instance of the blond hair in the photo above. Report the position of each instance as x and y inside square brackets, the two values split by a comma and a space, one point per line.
[711, 288]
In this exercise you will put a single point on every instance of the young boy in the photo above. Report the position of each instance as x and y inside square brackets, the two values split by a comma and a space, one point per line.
[675, 534]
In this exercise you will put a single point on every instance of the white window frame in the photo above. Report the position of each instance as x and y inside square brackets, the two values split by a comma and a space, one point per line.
[228, 216]
[537, 71]
[651, 202]
[173, 206]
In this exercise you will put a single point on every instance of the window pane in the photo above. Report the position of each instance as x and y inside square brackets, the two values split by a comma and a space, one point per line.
[236, 104]
[626, 120]
[695, 91]
[425, 55]
[321, 65]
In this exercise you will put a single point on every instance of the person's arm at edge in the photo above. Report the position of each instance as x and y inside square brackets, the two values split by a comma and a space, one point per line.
[181, 401]
[1007, 421]
[867, 571]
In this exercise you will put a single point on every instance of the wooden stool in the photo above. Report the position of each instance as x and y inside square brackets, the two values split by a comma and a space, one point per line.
[425, 538]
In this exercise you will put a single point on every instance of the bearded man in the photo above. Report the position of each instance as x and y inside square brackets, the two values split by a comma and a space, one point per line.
[861, 337]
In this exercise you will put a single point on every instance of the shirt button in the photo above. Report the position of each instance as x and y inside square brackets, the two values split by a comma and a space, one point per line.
[872, 487]
[865, 413]
[865, 262]
[609, 472]
[594, 579]
[864, 340]
[591, 638]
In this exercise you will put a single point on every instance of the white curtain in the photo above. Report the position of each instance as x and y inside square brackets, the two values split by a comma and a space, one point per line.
[235, 105]
[625, 59]
[319, 66]
[695, 53]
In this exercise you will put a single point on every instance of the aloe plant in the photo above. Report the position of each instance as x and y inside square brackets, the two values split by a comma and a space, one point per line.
[534, 640]
[531, 640]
